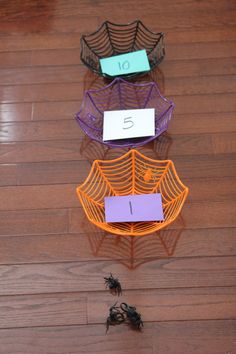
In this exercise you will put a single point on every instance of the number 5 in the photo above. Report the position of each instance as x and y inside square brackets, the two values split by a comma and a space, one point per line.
[128, 120]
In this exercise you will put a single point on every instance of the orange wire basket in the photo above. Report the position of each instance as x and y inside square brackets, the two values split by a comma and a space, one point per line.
[132, 173]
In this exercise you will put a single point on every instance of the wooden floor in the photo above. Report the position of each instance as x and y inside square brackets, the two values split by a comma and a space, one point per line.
[52, 294]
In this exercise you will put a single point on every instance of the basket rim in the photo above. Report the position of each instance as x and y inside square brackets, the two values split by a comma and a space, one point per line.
[137, 21]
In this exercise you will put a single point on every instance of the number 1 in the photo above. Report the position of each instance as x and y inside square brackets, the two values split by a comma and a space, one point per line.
[131, 209]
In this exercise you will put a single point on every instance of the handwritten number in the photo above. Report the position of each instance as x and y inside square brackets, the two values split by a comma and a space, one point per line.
[131, 209]
[124, 66]
[128, 120]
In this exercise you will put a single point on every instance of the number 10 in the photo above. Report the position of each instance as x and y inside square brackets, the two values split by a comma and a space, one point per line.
[124, 66]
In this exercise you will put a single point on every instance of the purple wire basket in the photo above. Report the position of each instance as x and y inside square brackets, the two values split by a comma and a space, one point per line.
[122, 95]
[114, 39]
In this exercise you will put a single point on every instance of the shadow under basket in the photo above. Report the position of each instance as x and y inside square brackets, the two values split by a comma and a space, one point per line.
[132, 174]
[114, 39]
[123, 95]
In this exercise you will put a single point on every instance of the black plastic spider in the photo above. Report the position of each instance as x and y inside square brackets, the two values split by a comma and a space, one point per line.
[113, 284]
[132, 315]
[115, 316]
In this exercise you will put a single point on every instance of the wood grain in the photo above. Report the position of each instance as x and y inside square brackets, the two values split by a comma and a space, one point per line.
[33, 222]
[74, 70]
[169, 305]
[94, 245]
[64, 196]
[86, 276]
[38, 310]
[70, 308]
[76, 149]
[73, 90]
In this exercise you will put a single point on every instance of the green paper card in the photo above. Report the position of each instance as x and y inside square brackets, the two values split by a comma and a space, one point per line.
[133, 62]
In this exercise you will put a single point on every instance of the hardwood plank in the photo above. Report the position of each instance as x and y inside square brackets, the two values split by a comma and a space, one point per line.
[39, 197]
[36, 41]
[15, 112]
[38, 75]
[203, 166]
[205, 215]
[43, 310]
[198, 166]
[198, 123]
[60, 56]
[64, 196]
[154, 305]
[56, 110]
[195, 105]
[200, 50]
[8, 175]
[77, 150]
[180, 124]
[72, 73]
[212, 189]
[33, 222]
[88, 276]
[187, 20]
[41, 92]
[95, 245]
[52, 37]
[199, 85]
[72, 91]
[61, 11]
[169, 305]
[37, 130]
[208, 34]
[12, 10]
[204, 103]
[208, 337]
[202, 143]
[49, 130]
[52, 172]
[178, 46]
[196, 215]
[70, 25]
[195, 67]
[39, 151]
[77, 340]
[15, 59]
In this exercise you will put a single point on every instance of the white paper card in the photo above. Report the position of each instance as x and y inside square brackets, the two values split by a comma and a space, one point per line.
[126, 124]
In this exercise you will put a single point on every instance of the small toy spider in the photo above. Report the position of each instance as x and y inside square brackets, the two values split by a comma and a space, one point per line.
[132, 316]
[115, 316]
[147, 174]
[113, 284]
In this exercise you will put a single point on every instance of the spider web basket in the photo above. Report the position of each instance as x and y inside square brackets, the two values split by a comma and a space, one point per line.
[132, 174]
[114, 39]
[123, 95]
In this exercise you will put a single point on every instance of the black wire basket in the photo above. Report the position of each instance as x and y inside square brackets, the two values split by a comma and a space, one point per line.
[114, 39]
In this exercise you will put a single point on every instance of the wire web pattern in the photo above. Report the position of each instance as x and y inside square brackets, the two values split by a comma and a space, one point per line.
[123, 95]
[114, 39]
[132, 173]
